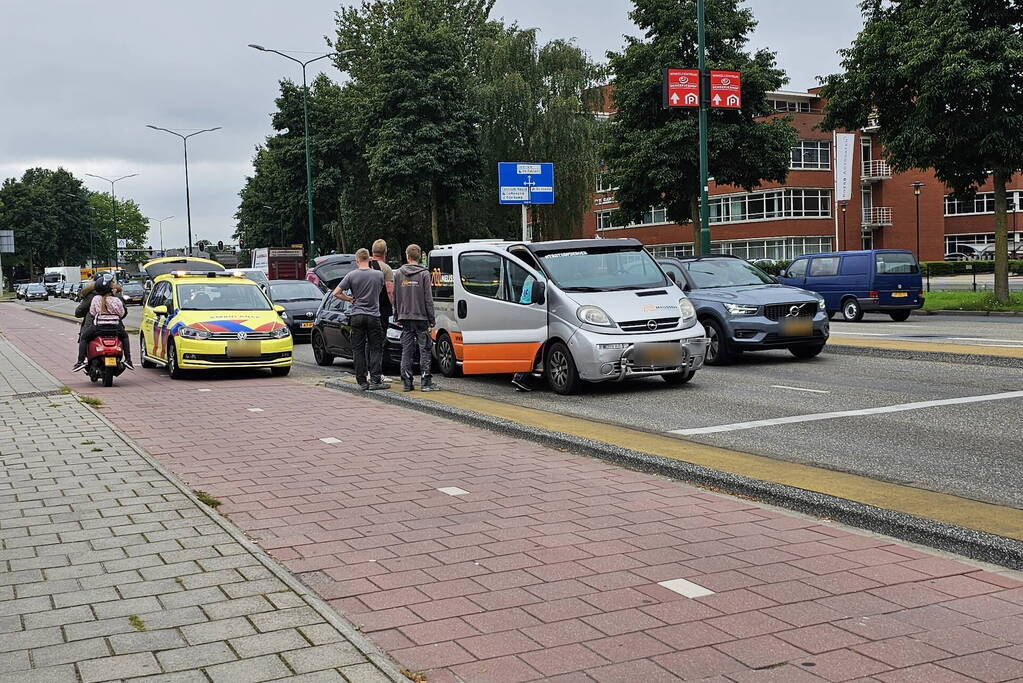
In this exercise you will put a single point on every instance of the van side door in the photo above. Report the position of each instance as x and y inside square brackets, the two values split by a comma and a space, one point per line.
[853, 279]
[502, 330]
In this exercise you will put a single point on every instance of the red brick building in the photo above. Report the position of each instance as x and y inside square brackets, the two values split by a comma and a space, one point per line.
[781, 221]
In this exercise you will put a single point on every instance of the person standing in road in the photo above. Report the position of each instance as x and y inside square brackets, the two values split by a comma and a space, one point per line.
[413, 309]
[379, 262]
[365, 285]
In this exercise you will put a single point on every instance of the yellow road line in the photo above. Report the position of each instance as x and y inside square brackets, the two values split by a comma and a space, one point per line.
[930, 347]
[994, 519]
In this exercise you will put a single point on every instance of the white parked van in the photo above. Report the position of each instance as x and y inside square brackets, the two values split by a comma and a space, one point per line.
[574, 311]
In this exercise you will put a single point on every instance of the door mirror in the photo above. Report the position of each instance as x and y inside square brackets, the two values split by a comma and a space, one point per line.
[671, 276]
[160, 310]
[775, 279]
[279, 308]
[783, 273]
[539, 293]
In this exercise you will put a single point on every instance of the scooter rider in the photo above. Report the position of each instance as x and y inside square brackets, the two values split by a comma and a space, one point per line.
[102, 306]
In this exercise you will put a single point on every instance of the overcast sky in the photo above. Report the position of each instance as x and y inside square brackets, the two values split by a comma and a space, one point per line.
[80, 80]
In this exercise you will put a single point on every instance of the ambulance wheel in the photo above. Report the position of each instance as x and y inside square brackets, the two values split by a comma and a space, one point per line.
[562, 376]
[280, 372]
[173, 370]
[446, 361]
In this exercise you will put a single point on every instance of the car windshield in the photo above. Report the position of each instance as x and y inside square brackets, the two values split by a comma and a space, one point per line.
[602, 269]
[222, 297]
[710, 273]
[133, 288]
[896, 264]
[295, 291]
[35, 288]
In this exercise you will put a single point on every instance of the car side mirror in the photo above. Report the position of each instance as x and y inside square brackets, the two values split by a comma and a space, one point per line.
[279, 308]
[160, 310]
[671, 276]
[783, 273]
[539, 293]
[776, 280]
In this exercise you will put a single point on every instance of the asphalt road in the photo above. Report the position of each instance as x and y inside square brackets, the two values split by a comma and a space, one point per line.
[972, 449]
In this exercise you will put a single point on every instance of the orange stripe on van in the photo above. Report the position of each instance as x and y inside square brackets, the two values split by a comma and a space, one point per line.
[481, 359]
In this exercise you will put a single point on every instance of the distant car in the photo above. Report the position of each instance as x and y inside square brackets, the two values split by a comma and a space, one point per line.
[36, 292]
[300, 299]
[133, 293]
[256, 275]
[957, 256]
[327, 271]
[76, 291]
[743, 308]
[19, 291]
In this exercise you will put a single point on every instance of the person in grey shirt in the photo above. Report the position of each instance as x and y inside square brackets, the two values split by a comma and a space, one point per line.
[365, 285]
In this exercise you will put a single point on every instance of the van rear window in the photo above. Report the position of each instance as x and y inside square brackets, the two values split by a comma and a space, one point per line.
[896, 264]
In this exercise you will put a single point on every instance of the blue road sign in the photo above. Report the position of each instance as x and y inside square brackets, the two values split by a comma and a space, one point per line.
[525, 183]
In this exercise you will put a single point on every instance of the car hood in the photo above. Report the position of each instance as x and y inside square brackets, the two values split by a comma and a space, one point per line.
[229, 321]
[298, 309]
[760, 295]
[642, 304]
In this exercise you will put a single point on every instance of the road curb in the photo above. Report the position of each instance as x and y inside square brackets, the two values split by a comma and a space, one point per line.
[933, 356]
[947, 537]
[991, 314]
[70, 318]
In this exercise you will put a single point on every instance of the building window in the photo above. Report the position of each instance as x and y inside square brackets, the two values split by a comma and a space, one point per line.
[770, 205]
[604, 181]
[811, 154]
[780, 249]
[789, 105]
[604, 220]
[982, 202]
[655, 215]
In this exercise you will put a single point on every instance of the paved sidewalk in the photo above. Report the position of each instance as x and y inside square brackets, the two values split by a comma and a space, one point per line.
[108, 571]
[476, 557]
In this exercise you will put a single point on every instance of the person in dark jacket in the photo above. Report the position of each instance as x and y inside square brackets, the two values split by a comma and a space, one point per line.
[413, 309]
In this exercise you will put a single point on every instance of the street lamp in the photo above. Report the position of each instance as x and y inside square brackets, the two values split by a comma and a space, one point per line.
[916, 191]
[160, 221]
[188, 201]
[305, 115]
[845, 207]
[92, 230]
[113, 207]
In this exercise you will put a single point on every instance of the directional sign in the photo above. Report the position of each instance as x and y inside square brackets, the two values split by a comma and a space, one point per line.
[726, 89]
[525, 183]
[681, 88]
[122, 243]
[6, 241]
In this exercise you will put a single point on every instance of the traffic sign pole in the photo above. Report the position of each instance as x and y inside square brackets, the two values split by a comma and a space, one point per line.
[525, 223]
[704, 246]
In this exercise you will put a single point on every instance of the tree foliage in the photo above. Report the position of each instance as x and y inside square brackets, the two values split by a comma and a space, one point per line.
[942, 76]
[652, 153]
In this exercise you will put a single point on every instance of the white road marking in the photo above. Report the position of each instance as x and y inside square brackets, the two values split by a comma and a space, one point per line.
[206, 390]
[454, 491]
[330, 439]
[736, 426]
[812, 391]
[1004, 341]
[864, 334]
[686, 588]
[255, 410]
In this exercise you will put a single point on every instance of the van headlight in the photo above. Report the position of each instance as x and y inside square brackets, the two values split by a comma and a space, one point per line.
[280, 333]
[741, 309]
[688, 311]
[192, 333]
[593, 315]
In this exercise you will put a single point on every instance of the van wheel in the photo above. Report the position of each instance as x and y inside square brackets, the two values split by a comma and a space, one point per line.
[146, 363]
[562, 376]
[320, 350]
[678, 379]
[446, 361]
[719, 351]
[900, 316]
[852, 312]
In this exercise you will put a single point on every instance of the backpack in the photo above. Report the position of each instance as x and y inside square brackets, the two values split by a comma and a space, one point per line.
[386, 310]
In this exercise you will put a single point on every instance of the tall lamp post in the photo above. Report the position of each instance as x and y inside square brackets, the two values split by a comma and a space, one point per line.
[305, 116]
[92, 232]
[283, 243]
[916, 192]
[188, 201]
[160, 221]
[704, 106]
[845, 208]
[113, 207]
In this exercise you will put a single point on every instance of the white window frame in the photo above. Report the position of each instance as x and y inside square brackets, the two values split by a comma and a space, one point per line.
[654, 215]
[802, 147]
[985, 201]
[780, 204]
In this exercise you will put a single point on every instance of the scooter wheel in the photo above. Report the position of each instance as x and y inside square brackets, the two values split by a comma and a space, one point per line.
[108, 378]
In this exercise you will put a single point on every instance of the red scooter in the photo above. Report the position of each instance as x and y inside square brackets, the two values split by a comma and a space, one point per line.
[105, 357]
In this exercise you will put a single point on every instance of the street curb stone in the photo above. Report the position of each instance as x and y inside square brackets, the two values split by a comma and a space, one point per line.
[932, 356]
[971, 543]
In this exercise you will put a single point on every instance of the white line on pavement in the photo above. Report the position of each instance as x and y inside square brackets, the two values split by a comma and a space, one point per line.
[454, 491]
[812, 391]
[686, 588]
[1005, 341]
[330, 439]
[255, 410]
[792, 419]
[864, 334]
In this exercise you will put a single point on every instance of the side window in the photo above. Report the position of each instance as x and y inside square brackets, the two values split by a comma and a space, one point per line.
[518, 283]
[823, 267]
[159, 295]
[442, 275]
[798, 268]
[855, 265]
[672, 269]
[481, 274]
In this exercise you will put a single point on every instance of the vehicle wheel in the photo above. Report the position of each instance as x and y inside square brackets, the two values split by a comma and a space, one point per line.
[108, 378]
[320, 350]
[900, 316]
[446, 361]
[852, 312]
[142, 345]
[719, 351]
[93, 377]
[173, 370]
[562, 377]
[280, 372]
[46, 298]
[678, 380]
[805, 351]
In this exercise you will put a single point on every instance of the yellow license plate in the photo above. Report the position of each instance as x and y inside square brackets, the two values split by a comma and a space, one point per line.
[109, 361]
[243, 349]
[797, 328]
[306, 326]
[899, 295]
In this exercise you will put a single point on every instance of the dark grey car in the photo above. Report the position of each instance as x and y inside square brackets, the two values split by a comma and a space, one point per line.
[745, 309]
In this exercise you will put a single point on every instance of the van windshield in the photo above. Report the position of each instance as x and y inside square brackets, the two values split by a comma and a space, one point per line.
[894, 263]
[602, 269]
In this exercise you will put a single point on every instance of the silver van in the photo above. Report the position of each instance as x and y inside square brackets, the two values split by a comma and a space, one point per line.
[574, 311]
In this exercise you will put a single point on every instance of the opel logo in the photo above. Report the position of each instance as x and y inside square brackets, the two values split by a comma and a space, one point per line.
[242, 335]
[651, 324]
[794, 312]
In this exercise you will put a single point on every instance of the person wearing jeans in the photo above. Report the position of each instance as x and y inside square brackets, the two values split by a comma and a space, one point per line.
[365, 286]
[413, 309]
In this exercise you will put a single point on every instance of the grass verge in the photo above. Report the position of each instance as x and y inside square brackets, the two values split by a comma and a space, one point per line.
[970, 301]
[207, 499]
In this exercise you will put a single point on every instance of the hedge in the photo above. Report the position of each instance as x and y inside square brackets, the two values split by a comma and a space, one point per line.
[932, 268]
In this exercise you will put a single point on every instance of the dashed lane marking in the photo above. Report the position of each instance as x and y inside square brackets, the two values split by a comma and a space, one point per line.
[454, 491]
[686, 588]
[812, 391]
[330, 439]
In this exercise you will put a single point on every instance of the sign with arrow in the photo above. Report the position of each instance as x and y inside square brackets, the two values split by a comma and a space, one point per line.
[726, 89]
[681, 88]
[525, 183]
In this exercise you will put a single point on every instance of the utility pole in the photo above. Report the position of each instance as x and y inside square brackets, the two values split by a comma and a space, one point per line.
[113, 208]
[704, 246]
[188, 199]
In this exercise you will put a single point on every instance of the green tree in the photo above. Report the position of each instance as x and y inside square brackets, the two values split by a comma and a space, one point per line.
[652, 153]
[131, 225]
[941, 76]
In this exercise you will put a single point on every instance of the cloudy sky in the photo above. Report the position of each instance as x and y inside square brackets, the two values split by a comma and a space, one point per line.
[80, 80]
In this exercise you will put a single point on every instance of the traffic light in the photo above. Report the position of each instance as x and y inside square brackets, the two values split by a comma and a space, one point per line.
[220, 245]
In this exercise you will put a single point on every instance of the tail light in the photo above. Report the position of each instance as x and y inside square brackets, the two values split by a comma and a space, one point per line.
[872, 294]
[109, 341]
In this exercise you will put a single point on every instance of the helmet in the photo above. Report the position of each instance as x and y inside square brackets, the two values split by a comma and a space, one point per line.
[103, 283]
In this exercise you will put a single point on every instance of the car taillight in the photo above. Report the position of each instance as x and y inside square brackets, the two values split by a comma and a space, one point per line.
[872, 295]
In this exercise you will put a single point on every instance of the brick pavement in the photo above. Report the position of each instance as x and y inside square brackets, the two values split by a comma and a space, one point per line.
[549, 567]
[108, 571]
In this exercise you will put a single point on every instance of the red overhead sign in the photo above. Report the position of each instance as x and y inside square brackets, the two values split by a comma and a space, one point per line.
[681, 88]
[726, 89]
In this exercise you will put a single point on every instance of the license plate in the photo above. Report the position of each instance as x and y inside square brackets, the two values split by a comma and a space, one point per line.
[900, 295]
[243, 349]
[306, 326]
[660, 355]
[109, 361]
[797, 328]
